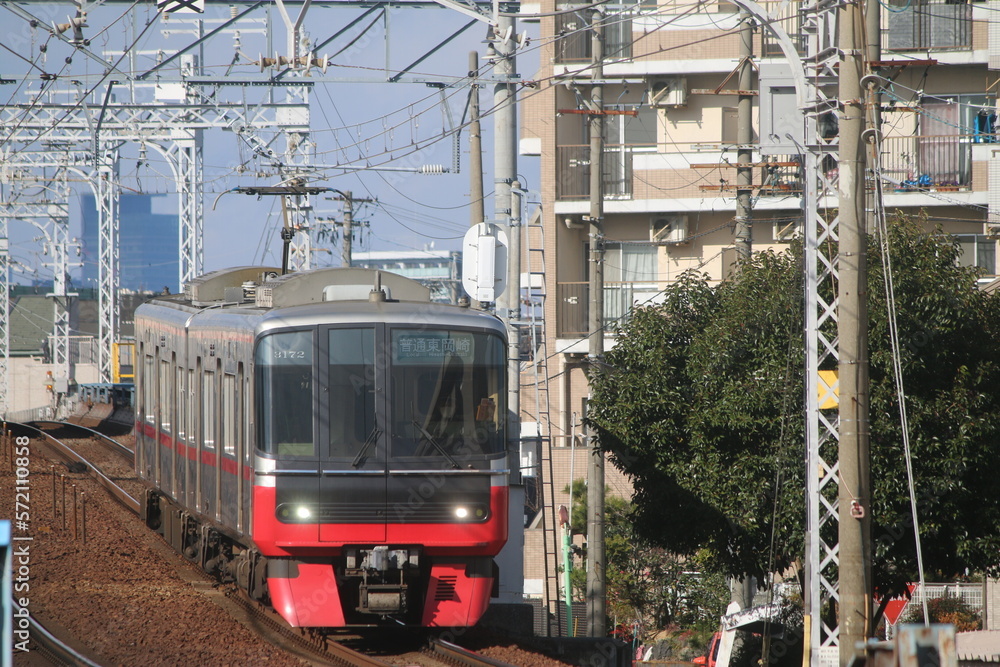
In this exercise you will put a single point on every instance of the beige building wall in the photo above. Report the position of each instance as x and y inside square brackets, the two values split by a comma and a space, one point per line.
[568, 463]
[688, 173]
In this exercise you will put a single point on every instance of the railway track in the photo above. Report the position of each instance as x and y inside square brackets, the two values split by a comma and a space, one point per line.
[453, 654]
[50, 647]
[313, 648]
[70, 456]
[110, 443]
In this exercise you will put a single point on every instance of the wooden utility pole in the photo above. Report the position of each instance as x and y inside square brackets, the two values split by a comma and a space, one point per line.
[596, 603]
[853, 451]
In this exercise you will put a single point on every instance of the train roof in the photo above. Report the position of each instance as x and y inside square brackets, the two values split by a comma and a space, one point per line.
[265, 286]
[329, 295]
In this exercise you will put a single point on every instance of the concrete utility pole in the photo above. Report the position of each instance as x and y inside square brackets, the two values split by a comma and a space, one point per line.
[345, 249]
[596, 603]
[505, 112]
[347, 223]
[742, 592]
[853, 455]
[476, 211]
[744, 137]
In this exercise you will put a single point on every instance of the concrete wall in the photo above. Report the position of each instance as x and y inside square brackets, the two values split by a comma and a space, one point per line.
[27, 379]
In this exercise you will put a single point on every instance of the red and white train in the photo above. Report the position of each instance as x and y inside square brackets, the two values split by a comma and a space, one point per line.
[330, 440]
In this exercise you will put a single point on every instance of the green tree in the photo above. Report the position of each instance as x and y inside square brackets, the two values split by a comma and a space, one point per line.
[646, 583]
[701, 404]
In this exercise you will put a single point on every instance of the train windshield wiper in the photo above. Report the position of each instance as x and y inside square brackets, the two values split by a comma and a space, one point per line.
[372, 437]
[436, 444]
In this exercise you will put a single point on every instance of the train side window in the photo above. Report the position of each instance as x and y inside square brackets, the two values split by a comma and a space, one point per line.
[181, 404]
[229, 414]
[192, 412]
[166, 397]
[209, 397]
[285, 393]
[149, 389]
[246, 422]
[351, 390]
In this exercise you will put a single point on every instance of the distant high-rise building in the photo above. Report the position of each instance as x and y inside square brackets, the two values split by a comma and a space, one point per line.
[149, 246]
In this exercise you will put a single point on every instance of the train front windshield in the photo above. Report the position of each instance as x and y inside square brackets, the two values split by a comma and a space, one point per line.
[447, 397]
[405, 394]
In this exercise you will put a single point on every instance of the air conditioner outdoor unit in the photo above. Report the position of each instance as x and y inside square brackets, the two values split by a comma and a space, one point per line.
[785, 230]
[992, 230]
[671, 229]
[668, 92]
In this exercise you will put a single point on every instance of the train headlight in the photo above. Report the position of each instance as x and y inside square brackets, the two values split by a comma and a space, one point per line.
[303, 512]
[461, 512]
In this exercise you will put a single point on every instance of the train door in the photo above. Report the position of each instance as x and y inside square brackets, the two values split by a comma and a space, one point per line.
[229, 460]
[191, 453]
[146, 443]
[286, 409]
[164, 436]
[246, 451]
[352, 466]
[180, 455]
[209, 440]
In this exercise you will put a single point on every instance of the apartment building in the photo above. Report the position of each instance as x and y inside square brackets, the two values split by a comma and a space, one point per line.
[670, 149]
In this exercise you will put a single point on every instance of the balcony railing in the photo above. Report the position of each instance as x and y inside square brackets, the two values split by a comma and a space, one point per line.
[929, 25]
[922, 162]
[574, 45]
[572, 311]
[573, 172]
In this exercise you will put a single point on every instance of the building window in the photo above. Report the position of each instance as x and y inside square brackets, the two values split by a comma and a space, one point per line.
[630, 274]
[630, 263]
[979, 251]
[633, 132]
[929, 24]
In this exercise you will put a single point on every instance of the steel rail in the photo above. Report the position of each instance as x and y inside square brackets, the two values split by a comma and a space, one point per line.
[110, 443]
[49, 645]
[459, 655]
[120, 494]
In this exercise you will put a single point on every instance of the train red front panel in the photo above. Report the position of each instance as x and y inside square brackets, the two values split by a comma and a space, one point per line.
[455, 597]
[309, 598]
[275, 538]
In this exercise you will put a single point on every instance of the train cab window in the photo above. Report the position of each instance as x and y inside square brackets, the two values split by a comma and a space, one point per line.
[285, 397]
[351, 390]
[448, 396]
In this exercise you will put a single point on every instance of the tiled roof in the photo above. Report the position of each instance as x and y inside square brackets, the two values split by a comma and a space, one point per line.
[982, 646]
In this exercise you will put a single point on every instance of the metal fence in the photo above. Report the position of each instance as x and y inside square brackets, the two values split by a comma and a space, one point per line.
[929, 161]
[573, 306]
[573, 172]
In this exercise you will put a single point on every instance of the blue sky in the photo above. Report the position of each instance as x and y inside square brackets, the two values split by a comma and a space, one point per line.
[378, 122]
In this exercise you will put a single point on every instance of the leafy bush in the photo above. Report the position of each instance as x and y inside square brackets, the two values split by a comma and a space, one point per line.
[946, 609]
